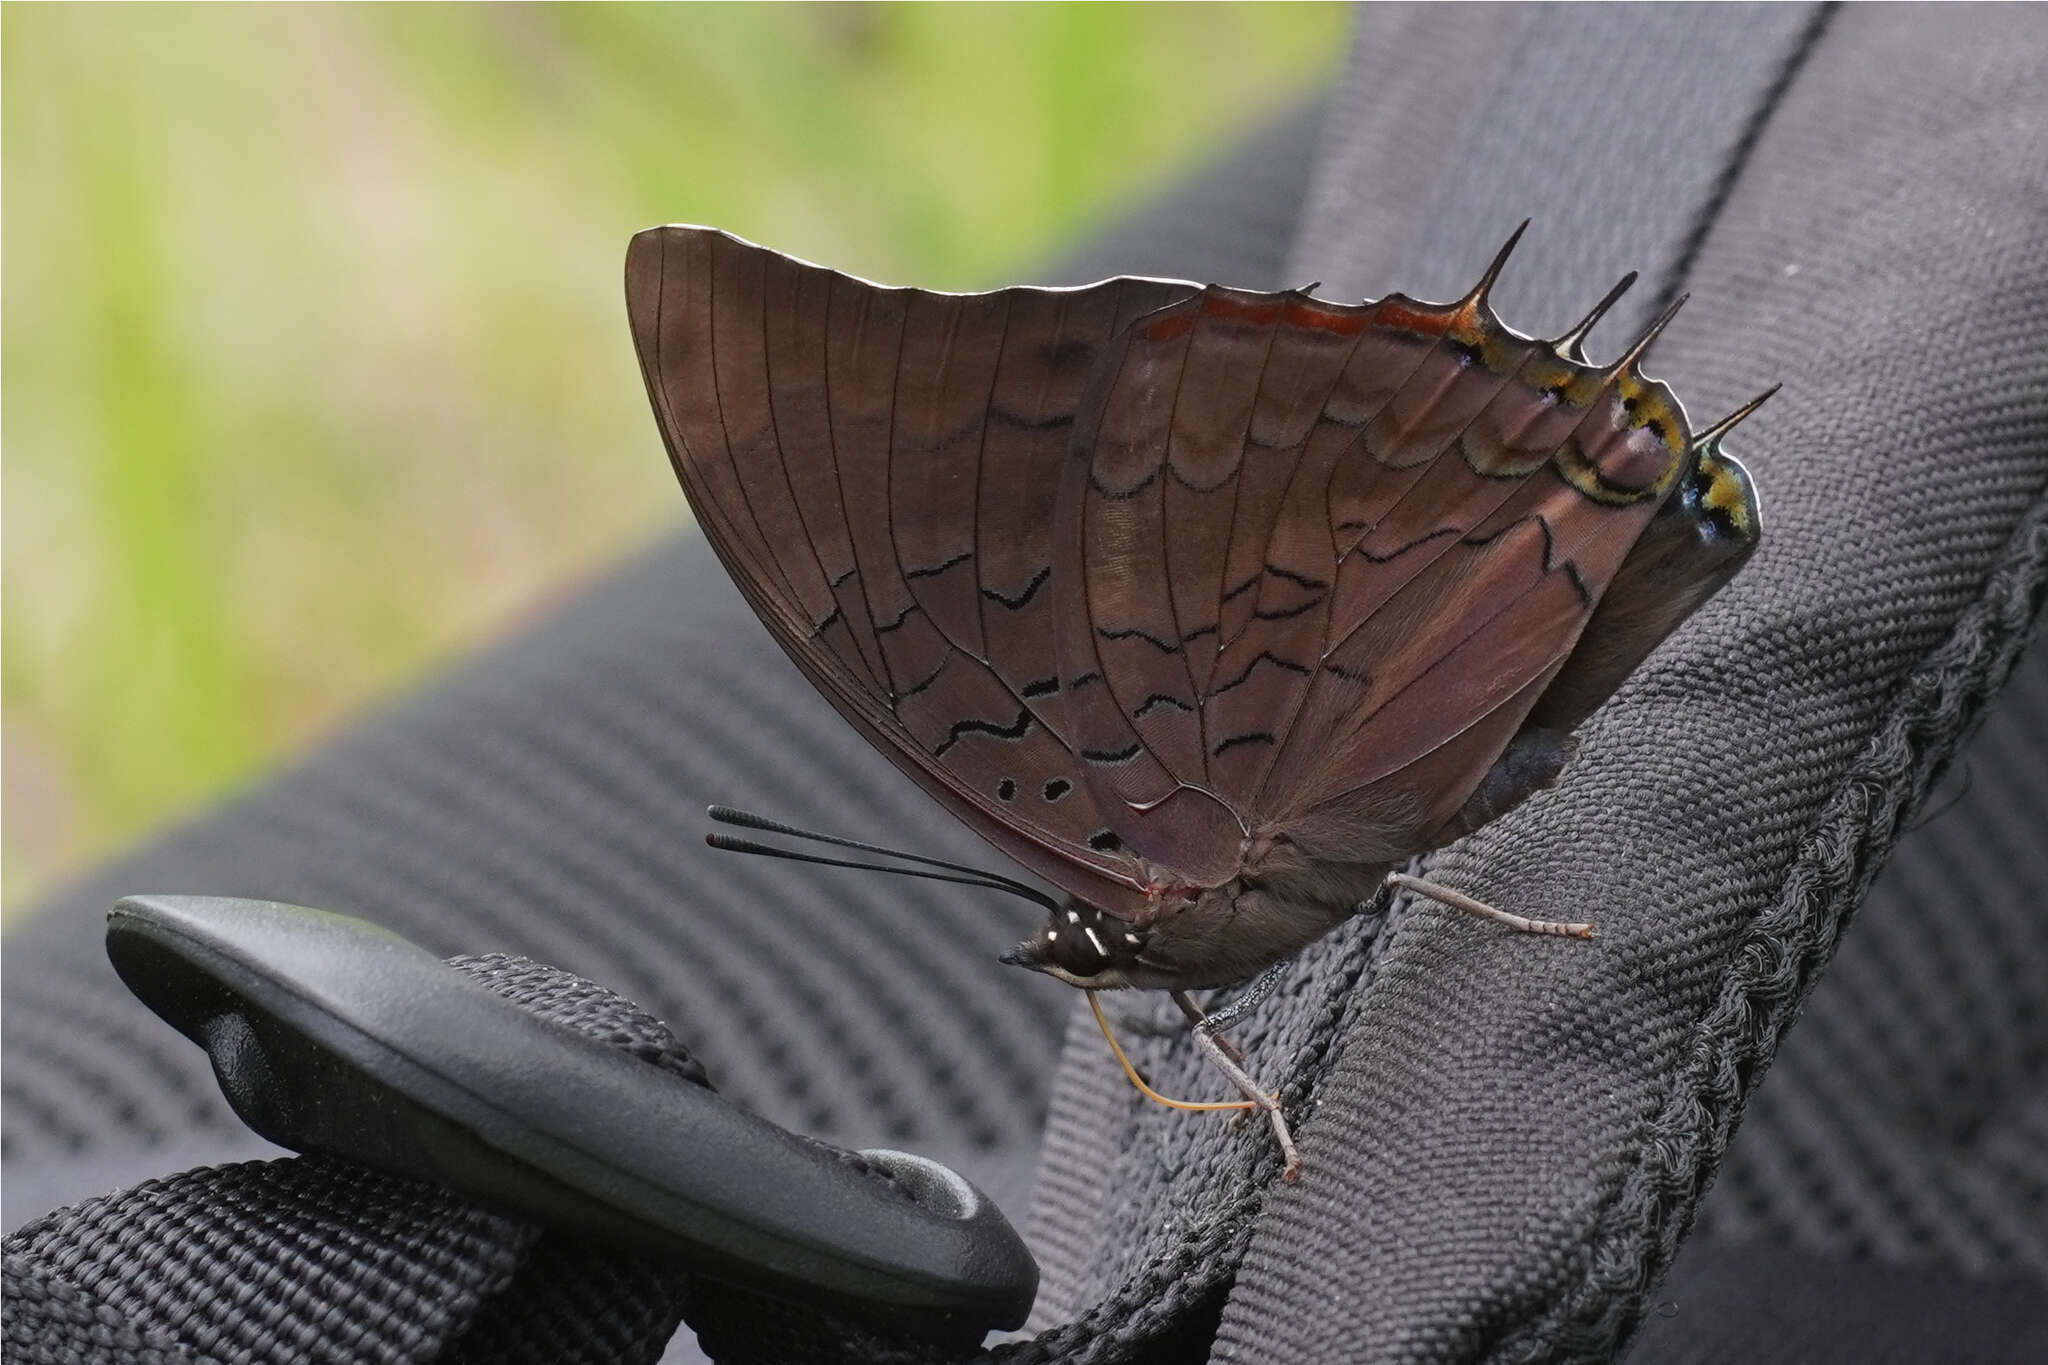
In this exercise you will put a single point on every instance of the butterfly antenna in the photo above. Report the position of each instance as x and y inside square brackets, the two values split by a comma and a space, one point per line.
[1635, 353]
[1714, 433]
[1571, 344]
[968, 876]
[1476, 300]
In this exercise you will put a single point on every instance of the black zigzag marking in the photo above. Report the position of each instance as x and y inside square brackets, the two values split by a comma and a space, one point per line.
[1030, 591]
[1109, 755]
[1264, 657]
[1160, 699]
[963, 728]
[1153, 640]
[1121, 495]
[936, 569]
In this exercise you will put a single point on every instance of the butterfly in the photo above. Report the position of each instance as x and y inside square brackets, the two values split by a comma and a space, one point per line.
[1208, 606]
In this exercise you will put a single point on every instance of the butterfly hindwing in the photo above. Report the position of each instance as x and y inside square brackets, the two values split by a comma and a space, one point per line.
[1353, 604]
[1701, 536]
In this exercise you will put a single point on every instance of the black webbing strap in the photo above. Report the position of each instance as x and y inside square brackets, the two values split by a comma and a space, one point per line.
[318, 1258]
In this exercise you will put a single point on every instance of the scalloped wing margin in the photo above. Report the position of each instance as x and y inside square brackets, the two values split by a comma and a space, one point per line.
[1318, 563]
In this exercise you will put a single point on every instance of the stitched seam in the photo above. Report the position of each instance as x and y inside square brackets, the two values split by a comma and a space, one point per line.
[1940, 705]
[1738, 159]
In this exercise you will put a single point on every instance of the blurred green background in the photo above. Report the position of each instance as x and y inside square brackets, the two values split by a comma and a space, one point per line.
[316, 367]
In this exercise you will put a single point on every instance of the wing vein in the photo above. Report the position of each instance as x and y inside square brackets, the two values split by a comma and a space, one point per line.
[980, 472]
[782, 456]
[1230, 539]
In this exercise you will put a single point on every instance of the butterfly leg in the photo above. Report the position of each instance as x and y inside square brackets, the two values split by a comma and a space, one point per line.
[1290, 1159]
[1208, 1031]
[1213, 1022]
[1458, 900]
[1197, 1017]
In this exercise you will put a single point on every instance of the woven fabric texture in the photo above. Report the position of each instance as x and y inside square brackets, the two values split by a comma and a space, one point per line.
[1505, 1140]
[1765, 1304]
[282, 1260]
[318, 1259]
[546, 798]
[1907, 1114]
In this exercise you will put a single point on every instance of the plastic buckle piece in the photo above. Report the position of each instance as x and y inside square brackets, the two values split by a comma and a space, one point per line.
[330, 1034]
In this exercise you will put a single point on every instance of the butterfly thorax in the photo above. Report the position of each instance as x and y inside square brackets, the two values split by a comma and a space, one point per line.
[1196, 938]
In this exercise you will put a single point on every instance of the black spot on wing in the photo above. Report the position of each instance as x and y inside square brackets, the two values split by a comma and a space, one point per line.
[1043, 687]
[1105, 841]
[1068, 351]
[963, 728]
[1056, 788]
[1006, 789]
[1251, 737]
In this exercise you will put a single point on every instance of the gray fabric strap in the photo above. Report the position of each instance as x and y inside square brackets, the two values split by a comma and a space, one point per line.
[1505, 1140]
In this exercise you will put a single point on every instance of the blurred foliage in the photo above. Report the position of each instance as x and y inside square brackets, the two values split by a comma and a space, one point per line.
[316, 365]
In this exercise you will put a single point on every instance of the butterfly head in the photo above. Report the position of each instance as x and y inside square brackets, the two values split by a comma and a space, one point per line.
[1086, 947]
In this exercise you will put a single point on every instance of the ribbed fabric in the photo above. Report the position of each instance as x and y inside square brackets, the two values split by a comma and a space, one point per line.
[1505, 1140]
[547, 797]
[1765, 1304]
[317, 1259]
[1907, 1114]
[548, 800]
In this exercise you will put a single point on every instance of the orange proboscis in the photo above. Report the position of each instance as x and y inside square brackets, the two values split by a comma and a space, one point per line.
[1147, 1091]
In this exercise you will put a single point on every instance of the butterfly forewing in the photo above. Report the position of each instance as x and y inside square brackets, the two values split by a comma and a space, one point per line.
[840, 444]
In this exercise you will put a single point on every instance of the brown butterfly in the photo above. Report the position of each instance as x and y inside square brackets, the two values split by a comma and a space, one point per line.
[1208, 606]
